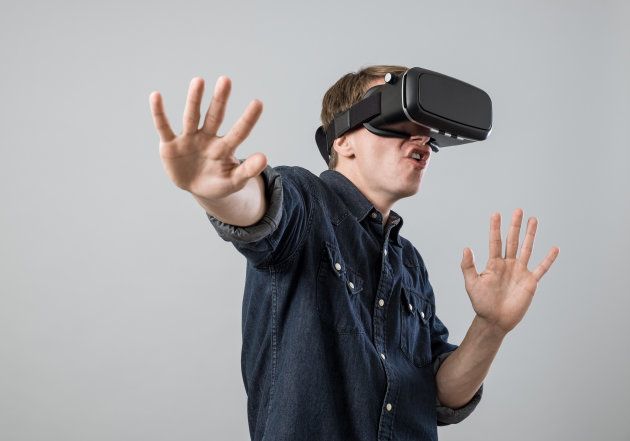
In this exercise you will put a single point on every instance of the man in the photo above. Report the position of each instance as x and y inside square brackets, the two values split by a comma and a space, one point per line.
[341, 340]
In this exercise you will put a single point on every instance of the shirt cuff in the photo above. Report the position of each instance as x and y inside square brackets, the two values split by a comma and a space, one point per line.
[447, 415]
[267, 224]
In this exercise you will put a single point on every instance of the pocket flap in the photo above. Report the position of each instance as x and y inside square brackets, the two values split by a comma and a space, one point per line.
[350, 277]
[415, 304]
[354, 281]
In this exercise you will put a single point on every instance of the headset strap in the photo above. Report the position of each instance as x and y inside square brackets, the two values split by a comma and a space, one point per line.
[361, 112]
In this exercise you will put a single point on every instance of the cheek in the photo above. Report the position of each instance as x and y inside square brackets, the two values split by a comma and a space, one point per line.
[382, 157]
[383, 162]
[391, 158]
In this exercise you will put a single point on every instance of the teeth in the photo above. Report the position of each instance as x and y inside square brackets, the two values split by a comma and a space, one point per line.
[416, 155]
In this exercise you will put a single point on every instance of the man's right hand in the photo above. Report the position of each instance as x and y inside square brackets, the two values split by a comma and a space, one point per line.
[203, 163]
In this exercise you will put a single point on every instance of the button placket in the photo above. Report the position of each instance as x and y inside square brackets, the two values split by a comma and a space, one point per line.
[383, 295]
[380, 312]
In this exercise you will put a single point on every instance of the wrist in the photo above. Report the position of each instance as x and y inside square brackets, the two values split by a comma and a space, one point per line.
[489, 329]
[242, 208]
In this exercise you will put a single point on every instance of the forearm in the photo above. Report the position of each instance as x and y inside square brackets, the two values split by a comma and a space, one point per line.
[243, 208]
[461, 373]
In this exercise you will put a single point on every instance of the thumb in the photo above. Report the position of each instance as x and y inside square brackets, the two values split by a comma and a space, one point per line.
[252, 166]
[468, 266]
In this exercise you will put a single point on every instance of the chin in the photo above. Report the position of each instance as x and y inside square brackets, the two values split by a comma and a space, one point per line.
[409, 191]
[414, 186]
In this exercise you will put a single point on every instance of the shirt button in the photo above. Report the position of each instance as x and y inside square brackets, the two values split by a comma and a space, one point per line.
[385, 251]
[337, 266]
[381, 302]
[382, 356]
[351, 285]
[389, 407]
[411, 309]
[373, 215]
[422, 314]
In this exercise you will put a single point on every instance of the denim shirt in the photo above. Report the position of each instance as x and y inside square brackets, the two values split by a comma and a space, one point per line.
[341, 338]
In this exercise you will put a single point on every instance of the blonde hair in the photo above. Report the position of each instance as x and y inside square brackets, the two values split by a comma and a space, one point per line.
[347, 91]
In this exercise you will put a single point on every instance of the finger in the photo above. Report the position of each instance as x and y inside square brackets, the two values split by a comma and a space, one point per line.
[193, 101]
[528, 241]
[159, 117]
[546, 264]
[243, 126]
[495, 236]
[511, 244]
[216, 111]
[252, 166]
[468, 266]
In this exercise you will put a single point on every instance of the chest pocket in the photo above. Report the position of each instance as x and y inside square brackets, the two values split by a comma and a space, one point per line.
[338, 293]
[415, 330]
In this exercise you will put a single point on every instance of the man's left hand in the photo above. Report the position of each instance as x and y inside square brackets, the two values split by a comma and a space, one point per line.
[503, 292]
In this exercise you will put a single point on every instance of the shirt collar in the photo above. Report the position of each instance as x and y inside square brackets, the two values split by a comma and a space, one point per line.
[356, 202]
[398, 221]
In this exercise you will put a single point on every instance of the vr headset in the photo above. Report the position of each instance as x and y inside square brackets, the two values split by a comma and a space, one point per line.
[418, 102]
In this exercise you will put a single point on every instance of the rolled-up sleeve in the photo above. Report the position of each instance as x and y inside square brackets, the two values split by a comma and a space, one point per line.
[447, 415]
[441, 348]
[267, 224]
[283, 227]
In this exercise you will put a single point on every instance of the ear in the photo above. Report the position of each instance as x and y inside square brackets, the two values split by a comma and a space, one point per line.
[344, 146]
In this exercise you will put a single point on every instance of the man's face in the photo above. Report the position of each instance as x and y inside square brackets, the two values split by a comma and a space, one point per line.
[385, 165]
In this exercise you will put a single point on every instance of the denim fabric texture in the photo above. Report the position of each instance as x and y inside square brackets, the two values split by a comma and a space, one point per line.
[341, 338]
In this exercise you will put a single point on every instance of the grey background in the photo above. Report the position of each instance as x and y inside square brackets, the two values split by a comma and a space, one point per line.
[120, 307]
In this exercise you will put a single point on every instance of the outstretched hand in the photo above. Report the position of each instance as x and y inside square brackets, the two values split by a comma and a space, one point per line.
[198, 160]
[502, 293]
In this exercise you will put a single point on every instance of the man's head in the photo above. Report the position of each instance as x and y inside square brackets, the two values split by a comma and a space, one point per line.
[380, 166]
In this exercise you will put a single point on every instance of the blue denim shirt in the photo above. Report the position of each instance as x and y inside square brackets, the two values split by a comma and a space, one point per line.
[341, 338]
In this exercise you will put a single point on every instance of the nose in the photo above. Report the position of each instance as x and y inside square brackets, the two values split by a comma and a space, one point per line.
[423, 139]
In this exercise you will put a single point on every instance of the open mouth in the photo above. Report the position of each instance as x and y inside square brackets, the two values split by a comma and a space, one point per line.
[417, 156]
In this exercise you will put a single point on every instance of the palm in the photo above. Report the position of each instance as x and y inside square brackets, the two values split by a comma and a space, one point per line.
[186, 161]
[502, 293]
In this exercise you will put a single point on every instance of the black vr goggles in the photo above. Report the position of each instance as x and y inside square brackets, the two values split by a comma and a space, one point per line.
[418, 102]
